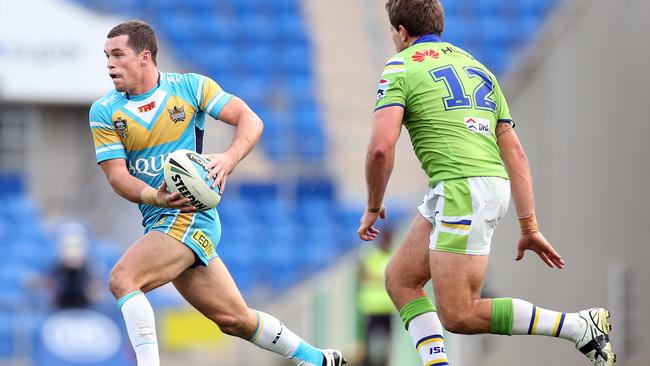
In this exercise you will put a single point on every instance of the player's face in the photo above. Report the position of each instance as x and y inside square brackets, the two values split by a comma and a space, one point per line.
[125, 67]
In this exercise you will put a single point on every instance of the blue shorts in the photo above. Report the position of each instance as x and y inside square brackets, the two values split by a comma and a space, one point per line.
[200, 231]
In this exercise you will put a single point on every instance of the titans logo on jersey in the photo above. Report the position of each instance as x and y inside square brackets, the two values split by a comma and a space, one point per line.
[144, 128]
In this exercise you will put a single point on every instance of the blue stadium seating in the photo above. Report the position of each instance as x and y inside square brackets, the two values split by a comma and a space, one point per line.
[489, 7]
[7, 331]
[494, 30]
[28, 255]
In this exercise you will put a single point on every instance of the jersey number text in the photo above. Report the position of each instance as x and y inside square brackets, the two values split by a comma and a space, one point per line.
[457, 98]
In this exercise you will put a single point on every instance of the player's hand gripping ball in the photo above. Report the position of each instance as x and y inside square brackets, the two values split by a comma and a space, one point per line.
[185, 172]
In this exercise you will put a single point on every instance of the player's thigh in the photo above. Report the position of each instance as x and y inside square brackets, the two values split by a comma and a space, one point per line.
[457, 279]
[409, 266]
[150, 262]
[212, 291]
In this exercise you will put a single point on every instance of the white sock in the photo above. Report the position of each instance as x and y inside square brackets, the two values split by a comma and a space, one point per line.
[141, 326]
[272, 335]
[426, 333]
[533, 320]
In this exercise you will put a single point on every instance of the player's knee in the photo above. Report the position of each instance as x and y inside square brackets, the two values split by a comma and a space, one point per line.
[231, 324]
[392, 279]
[392, 286]
[456, 321]
[397, 283]
[119, 282]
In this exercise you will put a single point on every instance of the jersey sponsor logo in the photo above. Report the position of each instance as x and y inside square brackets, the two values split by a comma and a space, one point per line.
[151, 166]
[203, 241]
[120, 126]
[435, 350]
[177, 113]
[450, 49]
[420, 56]
[147, 107]
[384, 84]
[172, 78]
[478, 125]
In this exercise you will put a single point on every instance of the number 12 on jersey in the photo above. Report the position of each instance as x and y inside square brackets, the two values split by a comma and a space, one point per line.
[457, 98]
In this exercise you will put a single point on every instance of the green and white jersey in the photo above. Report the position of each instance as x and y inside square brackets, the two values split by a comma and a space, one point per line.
[451, 103]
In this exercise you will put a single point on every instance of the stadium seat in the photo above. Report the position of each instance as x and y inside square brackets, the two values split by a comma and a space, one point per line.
[496, 32]
[454, 8]
[295, 58]
[246, 6]
[291, 28]
[489, 7]
[259, 27]
[11, 185]
[285, 6]
[197, 6]
[120, 6]
[245, 277]
[216, 28]
[527, 27]
[457, 31]
[533, 7]
[257, 58]
[7, 334]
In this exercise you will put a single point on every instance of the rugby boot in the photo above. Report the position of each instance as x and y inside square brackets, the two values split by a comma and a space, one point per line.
[333, 358]
[594, 343]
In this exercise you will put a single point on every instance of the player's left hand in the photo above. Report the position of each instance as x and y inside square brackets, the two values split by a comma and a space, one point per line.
[538, 244]
[366, 229]
[220, 166]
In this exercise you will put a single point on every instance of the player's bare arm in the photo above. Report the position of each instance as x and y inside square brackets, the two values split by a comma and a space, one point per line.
[514, 158]
[387, 126]
[135, 190]
[248, 129]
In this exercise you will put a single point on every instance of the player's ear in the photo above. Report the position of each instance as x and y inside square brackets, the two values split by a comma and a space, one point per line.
[145, 58]
[404, 34]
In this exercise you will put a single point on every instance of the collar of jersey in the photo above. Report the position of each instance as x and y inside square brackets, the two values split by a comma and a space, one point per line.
[427, 38]
[143, 96]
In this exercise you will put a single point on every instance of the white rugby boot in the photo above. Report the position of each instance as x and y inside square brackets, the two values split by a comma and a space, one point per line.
[333, 357]
[594, 343]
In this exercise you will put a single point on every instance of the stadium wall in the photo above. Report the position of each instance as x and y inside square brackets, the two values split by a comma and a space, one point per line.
[352, 42]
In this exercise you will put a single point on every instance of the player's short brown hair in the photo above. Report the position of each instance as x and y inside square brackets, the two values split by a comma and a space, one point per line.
[419, 17]
[141, 36]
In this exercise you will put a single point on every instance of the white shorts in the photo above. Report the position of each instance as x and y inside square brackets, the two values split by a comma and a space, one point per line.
[464, 213]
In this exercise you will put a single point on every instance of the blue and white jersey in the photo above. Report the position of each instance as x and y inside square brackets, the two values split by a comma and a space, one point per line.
[144, 128]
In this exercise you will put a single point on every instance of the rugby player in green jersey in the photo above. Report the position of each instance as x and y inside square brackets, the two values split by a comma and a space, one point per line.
[462, 133]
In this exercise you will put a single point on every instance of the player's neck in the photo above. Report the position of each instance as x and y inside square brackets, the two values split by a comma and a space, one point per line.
[411, 41]
[149, 81]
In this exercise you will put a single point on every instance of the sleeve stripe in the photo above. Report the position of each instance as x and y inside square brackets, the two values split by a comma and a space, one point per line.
[105, 148]
[199, 91]
[216, 98]
[395, 63]
[392, 70]
[389, 105]
[101, 125]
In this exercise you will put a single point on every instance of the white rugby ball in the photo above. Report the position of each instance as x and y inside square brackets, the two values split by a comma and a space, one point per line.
[185, 172]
